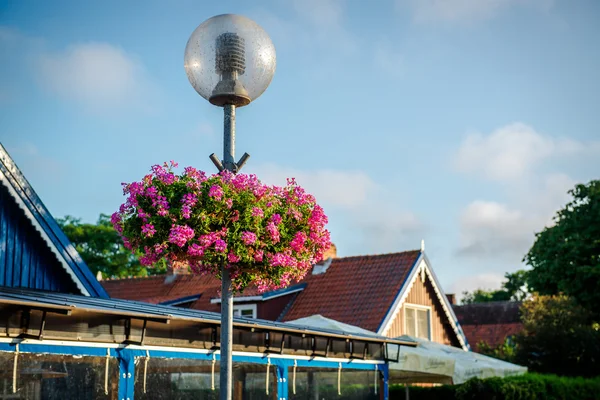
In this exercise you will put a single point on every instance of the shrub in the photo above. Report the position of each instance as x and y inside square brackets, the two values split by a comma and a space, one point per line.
[524, 387]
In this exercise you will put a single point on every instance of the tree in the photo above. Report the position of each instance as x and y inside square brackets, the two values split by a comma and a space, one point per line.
[102, 249]
[557, 337]
[565, 258]
[514, 288]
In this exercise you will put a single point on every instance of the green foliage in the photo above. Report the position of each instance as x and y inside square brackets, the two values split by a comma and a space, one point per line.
[566, 257]
[505, 351]
[102, 249]
[513, 289]
[484, 296]
[558, 338]
[524, 387]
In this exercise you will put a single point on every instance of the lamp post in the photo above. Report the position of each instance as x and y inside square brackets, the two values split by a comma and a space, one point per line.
[230, 61]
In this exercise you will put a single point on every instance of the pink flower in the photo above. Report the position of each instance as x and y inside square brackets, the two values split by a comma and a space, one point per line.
[232, 257]
[180, 234]
[220, 246]
[297, 244]
[148, 230]
[276, 219]
[248, 238]
[229, 203]
[273, 232]
[216, 192]
[257, 212]
[195, 250]
[258, 256]
[159, 248]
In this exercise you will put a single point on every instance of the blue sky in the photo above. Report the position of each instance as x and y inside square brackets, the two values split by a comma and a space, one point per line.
[461, 122]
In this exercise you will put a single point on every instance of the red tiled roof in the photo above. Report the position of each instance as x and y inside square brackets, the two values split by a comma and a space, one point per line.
[492, 334]
[160, 288]
[355, 290]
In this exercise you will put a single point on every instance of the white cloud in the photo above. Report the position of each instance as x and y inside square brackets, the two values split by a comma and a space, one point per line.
[490, 229]
[425, 11]
[98, 75]
[373, 215]
[504, 232]
[512, 152]
[345, 189]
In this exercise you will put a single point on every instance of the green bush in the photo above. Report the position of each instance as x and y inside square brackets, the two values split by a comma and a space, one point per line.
[524, 387]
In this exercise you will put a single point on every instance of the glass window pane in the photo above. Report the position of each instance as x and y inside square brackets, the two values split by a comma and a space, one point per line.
[58, 377]
[249, 382]
[322, 383]
[423, 323]
[175, 379]
[192, 379]
[409, 314]
[248, 313]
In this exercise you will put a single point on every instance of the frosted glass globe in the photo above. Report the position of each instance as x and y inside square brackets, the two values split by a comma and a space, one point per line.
[229, 59]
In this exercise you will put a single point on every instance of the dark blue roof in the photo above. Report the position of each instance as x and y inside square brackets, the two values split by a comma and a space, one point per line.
[43, 272]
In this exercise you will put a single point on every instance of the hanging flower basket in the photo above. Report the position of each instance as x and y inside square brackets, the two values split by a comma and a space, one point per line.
[264, 235]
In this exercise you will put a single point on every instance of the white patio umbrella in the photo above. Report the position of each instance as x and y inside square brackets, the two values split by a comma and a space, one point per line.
[467, 364]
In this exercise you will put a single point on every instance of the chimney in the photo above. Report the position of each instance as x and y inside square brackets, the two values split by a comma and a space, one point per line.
[451, 298]
[175, 268]
[331, 252]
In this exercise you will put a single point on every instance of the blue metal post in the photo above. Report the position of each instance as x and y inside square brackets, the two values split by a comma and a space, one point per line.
[282, 382]
[126, 373]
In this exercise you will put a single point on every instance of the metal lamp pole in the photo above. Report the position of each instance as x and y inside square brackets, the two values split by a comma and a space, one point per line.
[215, 63]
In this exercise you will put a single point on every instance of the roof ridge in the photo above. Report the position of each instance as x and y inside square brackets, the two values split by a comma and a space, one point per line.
[123, 278]
[379, 255]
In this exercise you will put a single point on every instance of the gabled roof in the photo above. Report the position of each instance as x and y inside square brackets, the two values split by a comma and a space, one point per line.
[46, 227]
[355, 290]
[421, 268]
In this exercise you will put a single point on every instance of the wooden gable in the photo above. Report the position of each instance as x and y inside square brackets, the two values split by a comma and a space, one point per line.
[422, 294]
[422, 290]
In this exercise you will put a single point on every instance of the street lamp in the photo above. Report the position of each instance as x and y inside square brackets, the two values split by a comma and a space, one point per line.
[230, 61]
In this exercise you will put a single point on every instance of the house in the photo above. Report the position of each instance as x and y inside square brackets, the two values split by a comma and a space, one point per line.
[491, 323]
[388, 294]
[34, 252]
[60, 333]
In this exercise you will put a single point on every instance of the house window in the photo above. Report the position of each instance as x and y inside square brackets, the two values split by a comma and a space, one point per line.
[417, 321]
[244, 310]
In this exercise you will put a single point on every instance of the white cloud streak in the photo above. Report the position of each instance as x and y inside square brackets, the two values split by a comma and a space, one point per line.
[97, 75]
[461, 11]
[513, 152]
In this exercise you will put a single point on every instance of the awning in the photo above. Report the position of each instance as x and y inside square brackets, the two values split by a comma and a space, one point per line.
[430, 361]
